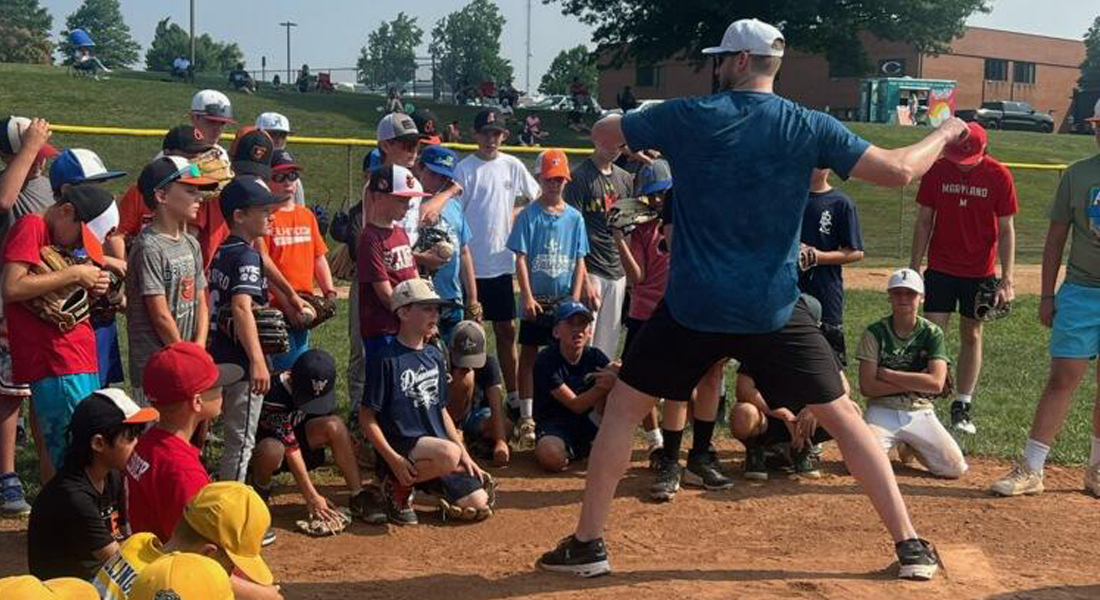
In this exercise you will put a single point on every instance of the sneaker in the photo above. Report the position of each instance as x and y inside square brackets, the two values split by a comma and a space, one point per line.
[1019, 481]
[805, 464]
[917, 559]
[524, 433]
[656, 459]
[587, 559]
[15, 502]
[960, 418]
[755, 467]
[667, 482]
[1092, 480]
[702, 471]
[368, 506]
[269, 538]
[777, 458]
[399, 500]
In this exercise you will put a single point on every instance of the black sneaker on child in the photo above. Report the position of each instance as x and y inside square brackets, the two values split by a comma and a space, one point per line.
[369, 506]
[399, 500]
[917, 559]
[702, 471]
[805, 463]
[667, 482]
[960, 417]
[586, 559]
[756, 468]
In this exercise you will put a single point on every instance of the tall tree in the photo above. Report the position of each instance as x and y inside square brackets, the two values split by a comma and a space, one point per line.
[652, 30]
[25, 32]
[389, 58]
[575, 62]
[466, 46]
[1090, 68]
[102, 19]
[171, 41]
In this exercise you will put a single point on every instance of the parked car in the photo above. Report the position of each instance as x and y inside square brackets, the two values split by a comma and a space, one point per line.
[1005, 114]
[1081, 109]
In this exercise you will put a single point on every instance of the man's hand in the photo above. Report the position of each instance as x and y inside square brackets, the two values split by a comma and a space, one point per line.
[402, 469]
[1005, 293]
[956, 130]
[37, 135]
[1046, 311]
[259, 378]
[805, 425]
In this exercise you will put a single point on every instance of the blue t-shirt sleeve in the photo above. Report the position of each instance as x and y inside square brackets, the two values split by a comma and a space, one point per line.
[652, 128]
[375, 393]
[437, 356]
[837, 147]
[517, 241]
[581, 236]
[246, 275]
[464, 234]
[851, 234]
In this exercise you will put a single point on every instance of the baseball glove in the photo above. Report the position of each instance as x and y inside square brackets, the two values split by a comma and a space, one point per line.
[341, 264]
[104, 307]
[452, 511]
[324, 307]
[807, 257]
[215, 166]
[433, 239]
[65, 307]
[474, 312]
[270, 325]
[323, 218]
[985, 302]
[318, 527]
[628, 213]
[549, 311]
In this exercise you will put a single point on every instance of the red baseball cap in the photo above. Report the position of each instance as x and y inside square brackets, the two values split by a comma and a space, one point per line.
[180, 370]
[969, 151]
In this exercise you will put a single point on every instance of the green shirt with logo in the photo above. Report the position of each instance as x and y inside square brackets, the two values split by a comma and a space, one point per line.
[911, 354]
[1077, 203]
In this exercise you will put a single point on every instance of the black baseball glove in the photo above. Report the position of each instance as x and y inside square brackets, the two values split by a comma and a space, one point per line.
[985, 302]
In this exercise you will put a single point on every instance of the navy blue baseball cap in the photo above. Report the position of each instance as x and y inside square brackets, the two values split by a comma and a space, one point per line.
[567, 310]
[654, 178]
[439, 160]
[244, 192]
[313, 382]
[78, 165]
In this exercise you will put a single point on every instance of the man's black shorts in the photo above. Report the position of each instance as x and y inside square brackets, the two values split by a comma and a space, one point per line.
[497, 297]
[313, 457]
[795, 363]
[944, 293]
[834, 334]
[535, 333]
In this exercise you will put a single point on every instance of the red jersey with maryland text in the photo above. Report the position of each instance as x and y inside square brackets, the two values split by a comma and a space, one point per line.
[967, 205]
[384, 255]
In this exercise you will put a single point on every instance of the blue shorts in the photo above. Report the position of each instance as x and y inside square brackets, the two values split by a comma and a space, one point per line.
[471, 425]
[108, 353]
[54, 399]
[1076, 331]
[299, 343]
[577, 434]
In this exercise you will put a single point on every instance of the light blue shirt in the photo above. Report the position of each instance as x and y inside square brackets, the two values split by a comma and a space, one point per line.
[452, 220]
[552, 241]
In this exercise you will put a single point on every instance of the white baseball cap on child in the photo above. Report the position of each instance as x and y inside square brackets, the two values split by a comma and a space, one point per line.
[906, 278]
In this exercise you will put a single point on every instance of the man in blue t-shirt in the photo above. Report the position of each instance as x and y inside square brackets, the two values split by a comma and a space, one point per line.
[743, 160]
[831, 231]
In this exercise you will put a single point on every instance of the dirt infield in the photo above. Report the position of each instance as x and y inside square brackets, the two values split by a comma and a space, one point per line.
[870, 278]
[813, 539]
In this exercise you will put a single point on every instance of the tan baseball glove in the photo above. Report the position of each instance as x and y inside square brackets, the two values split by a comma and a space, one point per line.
[64, 307]
[214, 166]
[317, 527]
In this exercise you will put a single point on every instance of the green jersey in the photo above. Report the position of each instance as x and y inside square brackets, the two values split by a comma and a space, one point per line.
[911, 354]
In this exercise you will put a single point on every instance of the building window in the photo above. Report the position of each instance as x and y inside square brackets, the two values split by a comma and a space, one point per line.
[1023, 72]
[996, 69]
[647, 76]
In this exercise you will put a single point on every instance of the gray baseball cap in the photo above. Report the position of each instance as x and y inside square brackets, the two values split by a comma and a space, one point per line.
[468, 346]
[397, 126]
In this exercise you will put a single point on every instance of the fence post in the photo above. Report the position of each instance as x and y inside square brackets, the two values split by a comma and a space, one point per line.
[347, 199]
[901, 219]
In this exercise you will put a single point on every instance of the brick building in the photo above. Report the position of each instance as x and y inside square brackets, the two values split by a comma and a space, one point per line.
[989, 64]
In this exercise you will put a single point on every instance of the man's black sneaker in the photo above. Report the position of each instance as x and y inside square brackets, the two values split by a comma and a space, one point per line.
[587, 559]
[702, 471]
[368, 506]
[960, 417]
[399, 500]
[917, 559]
[667, 482]
[805, 463]
[756, 469]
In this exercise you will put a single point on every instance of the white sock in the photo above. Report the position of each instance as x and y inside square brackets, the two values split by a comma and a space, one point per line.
[964, 398]
[1035, 454]
[1094, 457]
[653, 438]
[526, 408]
[512, 399]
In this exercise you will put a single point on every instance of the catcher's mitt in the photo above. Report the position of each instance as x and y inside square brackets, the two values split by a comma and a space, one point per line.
[318, 527]
[270, 325]
[215, 166]
[468, 513]
[65, 307]
[324, 307]
[985, 302]
[807, 257]
[628, 213]
[434, 239]
[104, 307]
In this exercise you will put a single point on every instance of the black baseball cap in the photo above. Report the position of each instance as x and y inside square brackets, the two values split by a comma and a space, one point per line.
[103, 410]
[244, 192]
[166, 170]
[313, 382]
[281, 160]
[490, 119]
[251, 153]
[187, 140]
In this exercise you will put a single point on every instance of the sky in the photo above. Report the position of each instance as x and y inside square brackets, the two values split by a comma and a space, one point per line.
[331, 32]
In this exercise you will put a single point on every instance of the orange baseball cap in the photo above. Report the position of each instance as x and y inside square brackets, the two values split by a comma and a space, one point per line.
[554, 163]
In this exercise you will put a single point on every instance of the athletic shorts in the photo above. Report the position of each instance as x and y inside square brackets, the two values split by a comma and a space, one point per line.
[8, 387]
[577, 435]
[299, 343]
[453, 486]
[54, 399]
[945, 293]
[108, 353]
[535, 333]
[795, 363]
[633, 326]
[1076, 331]
[497, 297]
[834, 334]
[313, 457]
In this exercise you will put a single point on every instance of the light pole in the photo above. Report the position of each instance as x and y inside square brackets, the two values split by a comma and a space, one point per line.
[527, 85]
[192, 34]
[288, 25]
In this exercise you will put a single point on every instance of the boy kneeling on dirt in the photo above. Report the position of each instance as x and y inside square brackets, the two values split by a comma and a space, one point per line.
[403, 416]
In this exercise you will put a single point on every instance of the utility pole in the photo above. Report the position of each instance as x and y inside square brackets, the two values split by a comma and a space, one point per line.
[193, 34]
[288, 25]
[527, 85]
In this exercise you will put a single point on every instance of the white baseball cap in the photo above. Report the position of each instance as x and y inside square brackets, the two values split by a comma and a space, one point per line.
[213, 105]
[397, 126]
[752, 36]
[906, 278]
[273, 121]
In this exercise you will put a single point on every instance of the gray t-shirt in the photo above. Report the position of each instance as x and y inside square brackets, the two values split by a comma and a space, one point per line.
[161, 265]
[35, 197]
[593, 193]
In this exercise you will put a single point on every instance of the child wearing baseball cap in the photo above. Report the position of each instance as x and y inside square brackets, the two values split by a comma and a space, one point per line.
[29, 587]
[165, 471]
[225, 521]
[182, 576]
[402, 415]
[79, 518]
[550, 243]
[475, 395]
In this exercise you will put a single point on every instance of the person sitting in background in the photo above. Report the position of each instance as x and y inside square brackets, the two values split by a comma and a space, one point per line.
[452, 134]
[84, 58]
[241, 80]
[181, 69]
